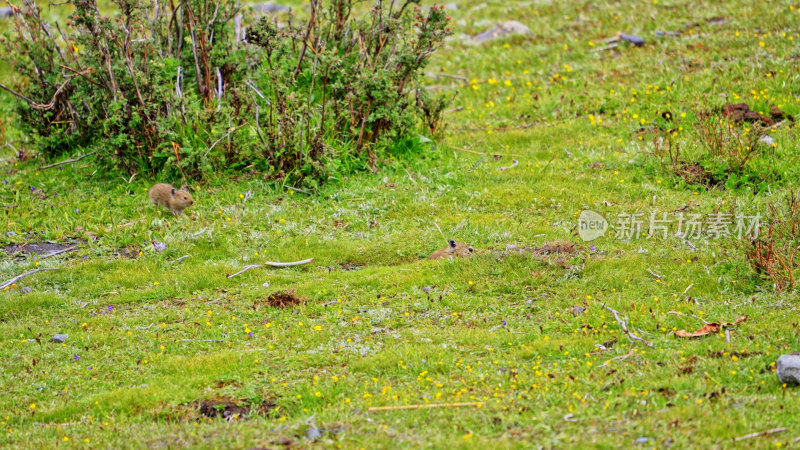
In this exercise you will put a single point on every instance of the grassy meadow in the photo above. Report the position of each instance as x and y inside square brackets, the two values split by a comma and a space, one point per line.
[542, 127]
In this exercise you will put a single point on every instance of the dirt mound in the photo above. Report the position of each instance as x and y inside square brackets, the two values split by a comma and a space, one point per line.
[37, 248]
[741, 112]
[225, 407]
[283, 299]
[555, 248]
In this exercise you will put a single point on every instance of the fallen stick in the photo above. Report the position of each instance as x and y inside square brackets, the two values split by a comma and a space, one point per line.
[302, 191]
[434, 405]
[607, 47]
[67, 161]
[179, 259]
[272, 264]
[655, 274]
[58, 252]
[760, 433]
[18, 277]
[624, 326]
[618, 358]
[288, 264]
[246, 268]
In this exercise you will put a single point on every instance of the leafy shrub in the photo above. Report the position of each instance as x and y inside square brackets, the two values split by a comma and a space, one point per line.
[182, 87]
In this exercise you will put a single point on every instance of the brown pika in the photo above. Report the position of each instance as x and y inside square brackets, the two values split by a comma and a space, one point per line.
[458, 249]
[175, 200]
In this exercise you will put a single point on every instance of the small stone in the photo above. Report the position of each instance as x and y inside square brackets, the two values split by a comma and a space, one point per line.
[25, 290]
[767, 139]
[426, 289]
[633, 39]
[643, 440]
[270, 8]
[578, 310]
[60, 338]
[5, 12]
[312, 432]
[788, 369]
[504, 29]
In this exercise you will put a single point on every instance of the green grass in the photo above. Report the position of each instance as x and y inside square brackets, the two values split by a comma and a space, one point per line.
[406, 330]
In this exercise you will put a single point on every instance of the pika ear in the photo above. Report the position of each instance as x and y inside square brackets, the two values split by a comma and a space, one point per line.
[173, 192]
[452, 243]
[185, 188]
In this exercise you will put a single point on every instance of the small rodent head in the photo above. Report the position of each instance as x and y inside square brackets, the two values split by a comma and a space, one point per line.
[182, 197]
[460, 249]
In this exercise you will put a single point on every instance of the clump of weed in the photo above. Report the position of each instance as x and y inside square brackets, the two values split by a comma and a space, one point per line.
[774, 255]
[725, 154]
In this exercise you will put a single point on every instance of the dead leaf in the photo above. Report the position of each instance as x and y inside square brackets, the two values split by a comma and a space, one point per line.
[709, 328]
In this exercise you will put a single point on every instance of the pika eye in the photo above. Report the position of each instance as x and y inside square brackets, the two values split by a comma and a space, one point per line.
[471, 249]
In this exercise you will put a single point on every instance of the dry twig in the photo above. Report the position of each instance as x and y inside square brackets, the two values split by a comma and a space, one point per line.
[66, 161]
[760, 433]
[30, 272]
[624, 327]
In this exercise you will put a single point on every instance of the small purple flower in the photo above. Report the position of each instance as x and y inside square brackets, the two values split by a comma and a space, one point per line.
[250, 334]
[5, 181]
[110, 308]
[85, 257]
[60, 167]
[504, 323]
[77, 210]
[593, 248]
[33, 188]
[90, 367]
[159, 246]
[76, 358]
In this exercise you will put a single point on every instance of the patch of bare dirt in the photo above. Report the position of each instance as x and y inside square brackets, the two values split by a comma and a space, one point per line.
[224, 407]
[741, 112]
[36, 248]
[695, 173]
[721, 354]
[556, 248]
[129, 252]
[284, 299]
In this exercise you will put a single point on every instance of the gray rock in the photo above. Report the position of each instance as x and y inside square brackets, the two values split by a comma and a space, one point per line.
[767, 139]
[270, 8]
[578, 310]
[633, 39]
[789, 369]
[25, 290]
[313, 432]
[643, 440]
[6, 12]
[504, 29]
[60, 338]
